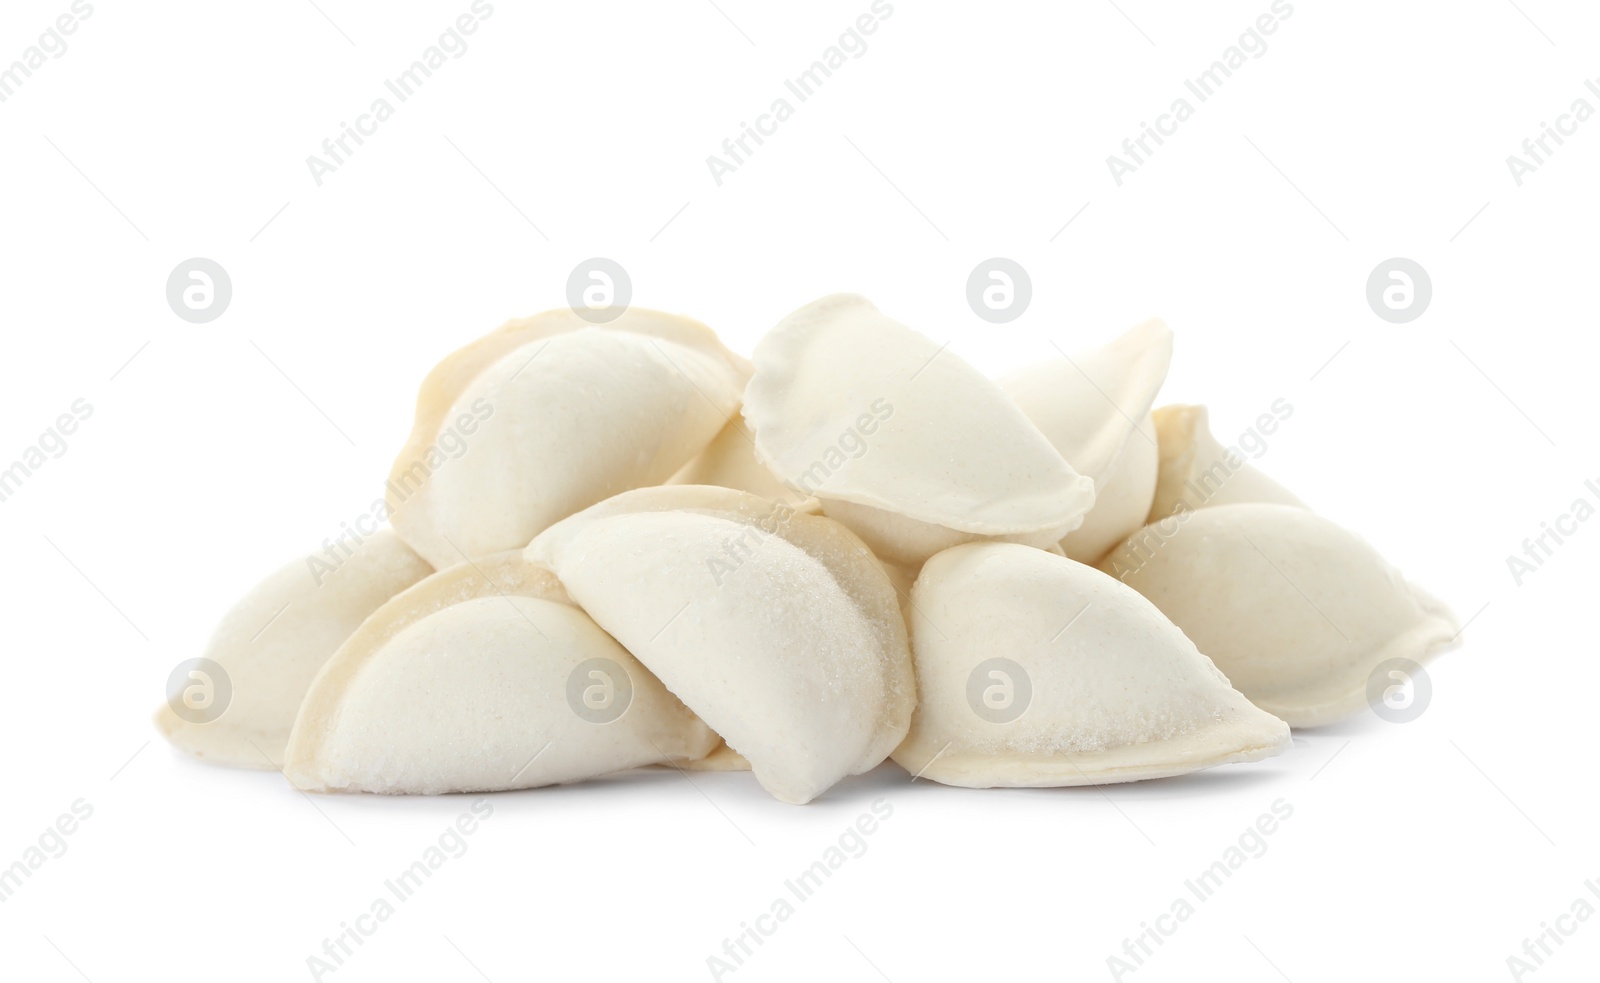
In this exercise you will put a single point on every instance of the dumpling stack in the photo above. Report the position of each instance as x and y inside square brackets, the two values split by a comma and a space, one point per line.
[625, 545]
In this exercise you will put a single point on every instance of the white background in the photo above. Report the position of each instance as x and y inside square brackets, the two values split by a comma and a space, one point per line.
[1367, 130]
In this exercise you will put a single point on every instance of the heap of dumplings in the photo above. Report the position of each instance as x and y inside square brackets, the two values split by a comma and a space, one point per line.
[854, 547]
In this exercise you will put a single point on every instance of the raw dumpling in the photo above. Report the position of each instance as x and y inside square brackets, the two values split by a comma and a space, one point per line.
[1035, 670]
[903, 442]
[1196, 471]
[273, 641]
[1095, 409]
[729, 461]
[481, 678]
[1296, 610]
[778, 628]
[547, 416]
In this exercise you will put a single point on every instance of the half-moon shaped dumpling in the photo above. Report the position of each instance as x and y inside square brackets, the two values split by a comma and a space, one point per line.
[274, 640]
[1296, 610]
[902, 441]
[1035, 670]
[779, 629]
[481, 678]
[547, 416]
[1095, 410]
[1196, 471]
[729, 461]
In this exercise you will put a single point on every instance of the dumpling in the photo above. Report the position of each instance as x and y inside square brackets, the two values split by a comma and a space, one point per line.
[271, 644]
[1035, 670]
[729, 461]
[1196, 471]
[1297, 611]
[907, 445]
[483, 677]
[777, 628]
[547, 416]
[1095, 410]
